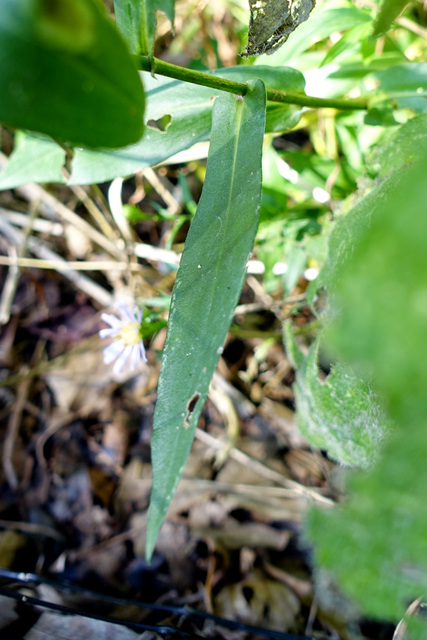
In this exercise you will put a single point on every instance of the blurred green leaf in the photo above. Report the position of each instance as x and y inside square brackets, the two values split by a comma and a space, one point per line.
[296, 261]
[376, 542]
[351, 37]
[341, 413]
[406, 83]
[348, 228]
[207, 287]
[191, 109]
[136, 20]
[390, 9]
[410, 139]
[380, 113]
[391, 265]
[34, 159]
[65, 72]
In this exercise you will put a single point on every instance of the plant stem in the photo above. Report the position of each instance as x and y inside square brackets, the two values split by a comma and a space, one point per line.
[239, 88]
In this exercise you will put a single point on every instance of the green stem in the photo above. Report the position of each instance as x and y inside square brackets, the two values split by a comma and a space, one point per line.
[239, 88]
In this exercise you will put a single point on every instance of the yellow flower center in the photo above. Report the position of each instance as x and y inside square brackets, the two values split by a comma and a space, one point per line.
[130, 334]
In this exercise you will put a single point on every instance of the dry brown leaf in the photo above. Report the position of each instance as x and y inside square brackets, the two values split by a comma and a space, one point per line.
[54, 625]
[79, 383]
[259, 601]
[134, 486]
[235, 535]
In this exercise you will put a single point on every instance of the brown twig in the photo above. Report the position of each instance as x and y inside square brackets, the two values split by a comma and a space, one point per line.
[12, 433]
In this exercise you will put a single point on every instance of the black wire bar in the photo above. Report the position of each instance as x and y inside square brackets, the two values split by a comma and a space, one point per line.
[164, 630]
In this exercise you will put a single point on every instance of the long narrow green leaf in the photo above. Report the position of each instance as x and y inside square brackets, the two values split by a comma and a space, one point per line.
[207, 288]
[136, 20]
[389, 11]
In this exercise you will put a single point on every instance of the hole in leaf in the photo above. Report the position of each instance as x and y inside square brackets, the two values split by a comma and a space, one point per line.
[161, 124]
[191, 405]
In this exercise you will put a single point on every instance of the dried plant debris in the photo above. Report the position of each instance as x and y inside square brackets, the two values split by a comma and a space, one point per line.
[272, 22]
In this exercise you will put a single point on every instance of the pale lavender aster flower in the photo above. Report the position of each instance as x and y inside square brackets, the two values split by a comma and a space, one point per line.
[127, 344]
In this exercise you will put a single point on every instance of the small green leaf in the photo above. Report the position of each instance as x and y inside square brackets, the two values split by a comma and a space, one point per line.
[207, 287]
[340, 414]
[34, 159]
[136, 20]
[66, 73]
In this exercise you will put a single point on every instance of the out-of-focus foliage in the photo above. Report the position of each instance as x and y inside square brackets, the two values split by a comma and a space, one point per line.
[379, 290]
[65, 72]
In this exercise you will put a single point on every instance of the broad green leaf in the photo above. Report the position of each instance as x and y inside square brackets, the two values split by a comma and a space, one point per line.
[376, 542]
[340, 414]
[207, 287]
[190, 107]
[136, 20]
[66, 73]
[390, 9]
[34, 159]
